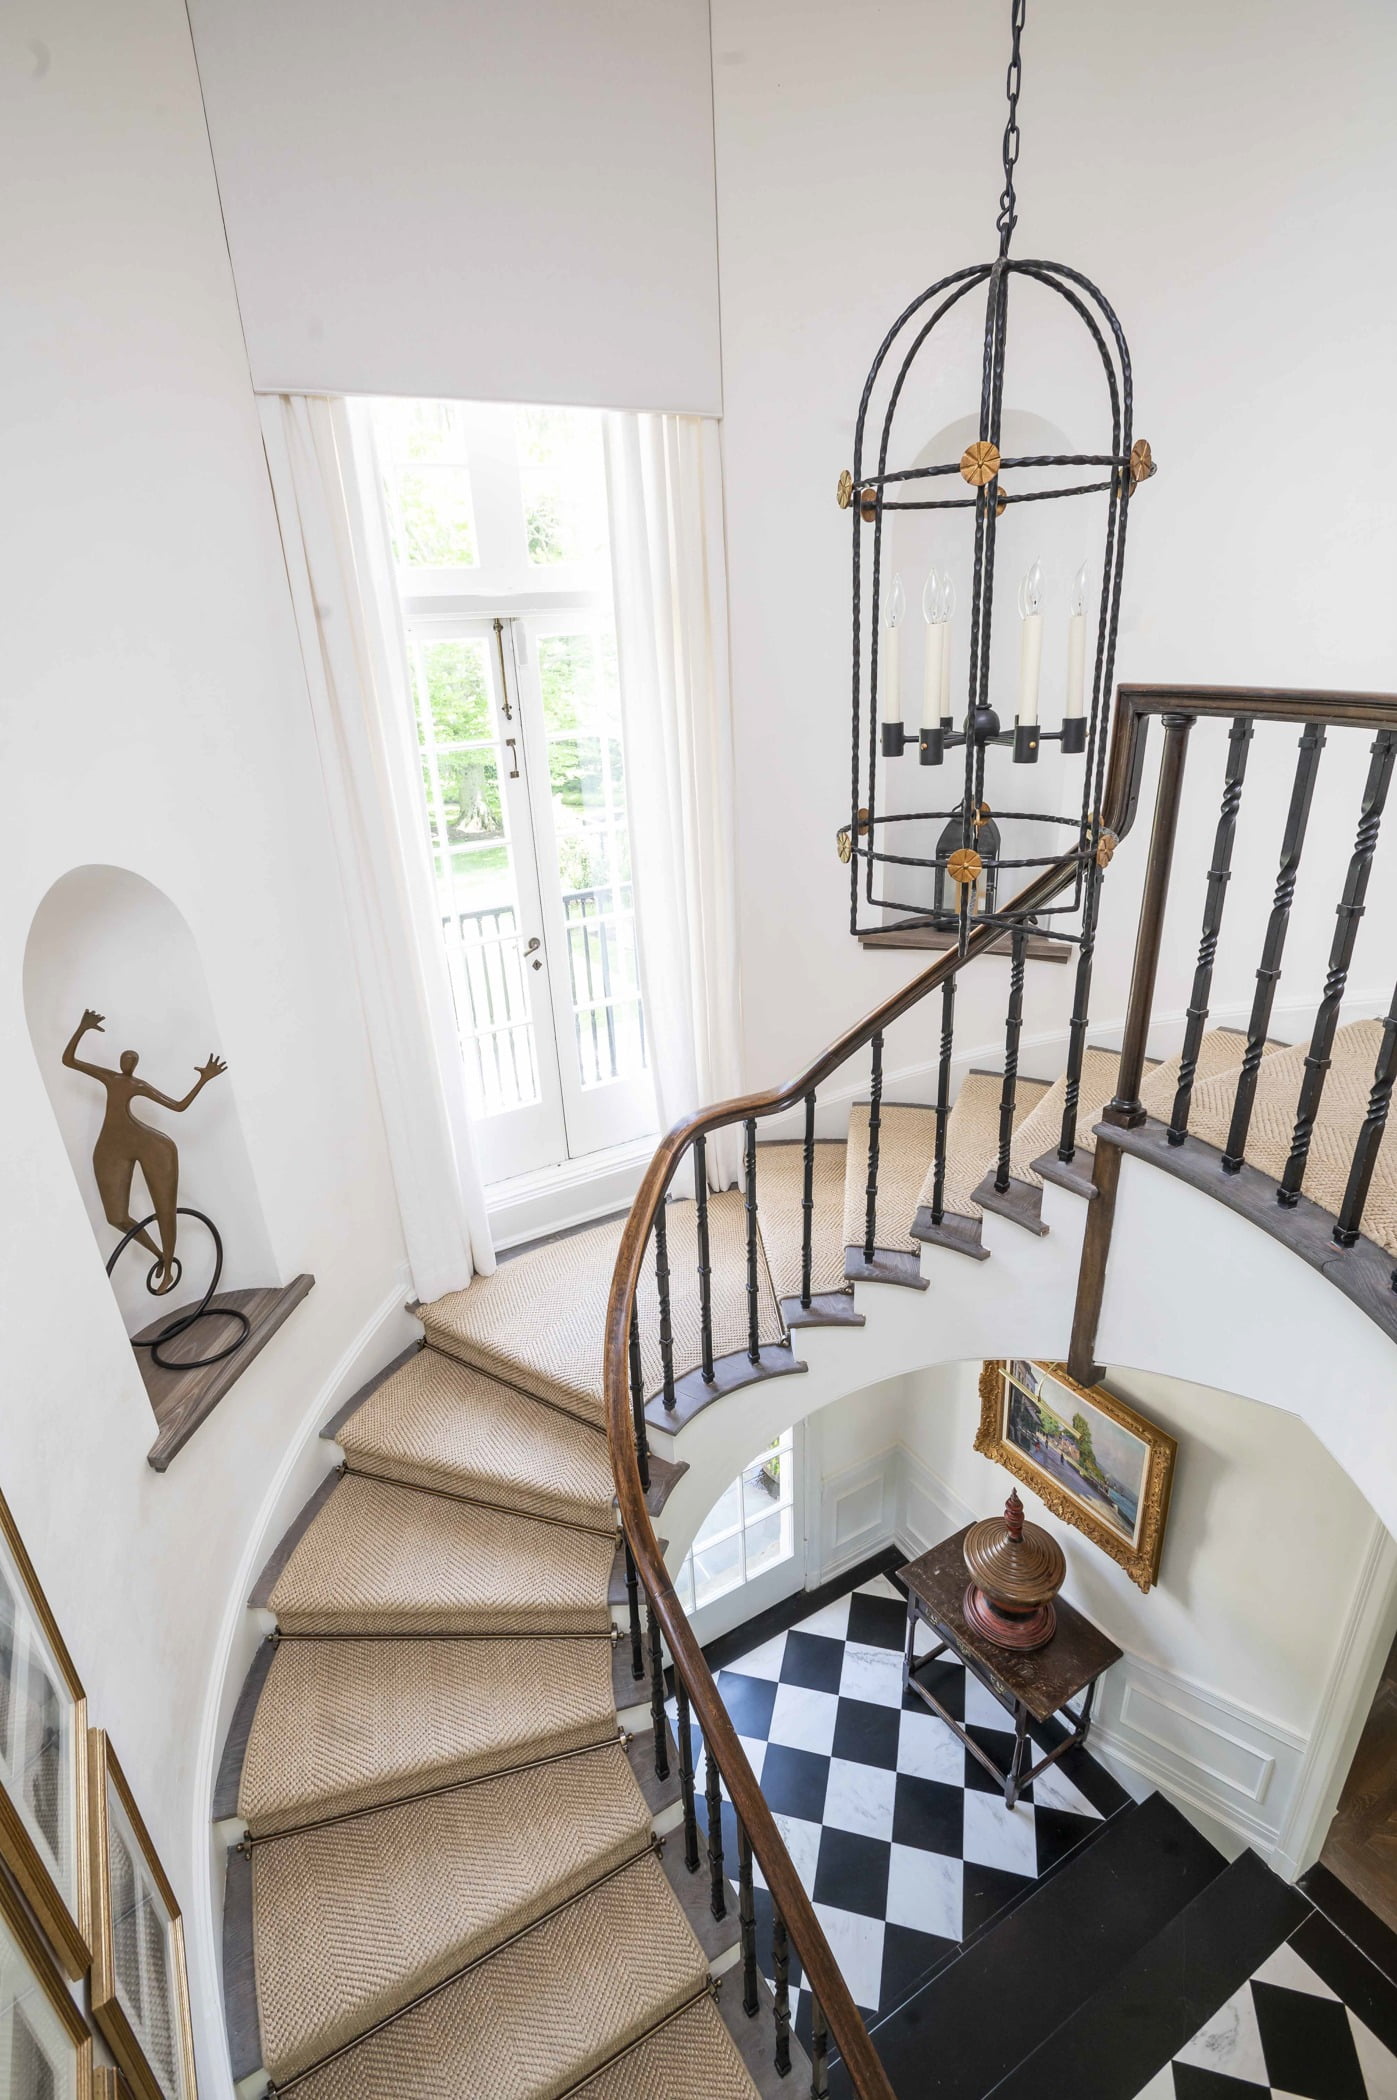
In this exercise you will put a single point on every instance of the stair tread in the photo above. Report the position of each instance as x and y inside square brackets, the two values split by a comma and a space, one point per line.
[1220, 1051]
[1040, 1131]
[344, 1725]
[538, 1321]
[965, 2030]
[972, 1136]
[352, 1921]
[540, 2015]
[1342, 1108]
[443, 1424]
[1120, 2036]
[780, 1191]
[383, 1558]
[692, 2057]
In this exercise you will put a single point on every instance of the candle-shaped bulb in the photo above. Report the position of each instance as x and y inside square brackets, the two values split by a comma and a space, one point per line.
[892, 653]
[931, 597]
[948, 613]
[948, 596]
[1030, 643]
[1076, 651]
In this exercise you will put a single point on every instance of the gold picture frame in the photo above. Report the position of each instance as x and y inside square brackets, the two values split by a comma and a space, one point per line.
[140, 1984]
[45, 2045]
[43, 1760]
[108, 2084]
[1121, 1506]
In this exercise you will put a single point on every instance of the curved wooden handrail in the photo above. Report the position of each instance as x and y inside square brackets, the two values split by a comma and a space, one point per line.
[847, 2030]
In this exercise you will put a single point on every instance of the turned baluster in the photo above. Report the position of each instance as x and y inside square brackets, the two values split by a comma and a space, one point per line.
[875, 1117]
[666, 1323]
[1370, 1136]
[705, 1265]
[713, 1799]
[754, 1310]
[747, 1916]
[1013, 1029]
[633, 1612]
[1219, 876]
[1348, 912]
[637, 1378]
[807, 1205]
[658, 1721]
[943, 1099]
[781, 1977]
[819, 2052]
[684, 1729]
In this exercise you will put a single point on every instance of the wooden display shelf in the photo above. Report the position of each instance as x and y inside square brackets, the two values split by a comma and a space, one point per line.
[181, 1400]
[1036, 948]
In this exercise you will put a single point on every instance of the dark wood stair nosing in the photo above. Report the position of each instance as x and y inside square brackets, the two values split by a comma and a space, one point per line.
[1021, 1203]
[826, 1309]
[959, 1234]
[692, 1393]
[1077, 1180]
[665, 1476]
[228, 1784]
[240, 2013]
[894, 1265]
[714, 1935]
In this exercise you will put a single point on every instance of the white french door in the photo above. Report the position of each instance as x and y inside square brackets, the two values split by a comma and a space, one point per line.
[524, 780]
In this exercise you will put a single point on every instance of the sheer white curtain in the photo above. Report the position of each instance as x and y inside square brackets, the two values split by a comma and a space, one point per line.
[664, 484]
[335, 534]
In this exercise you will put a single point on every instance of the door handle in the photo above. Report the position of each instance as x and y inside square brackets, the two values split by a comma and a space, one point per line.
[529, 948]
[513, 751]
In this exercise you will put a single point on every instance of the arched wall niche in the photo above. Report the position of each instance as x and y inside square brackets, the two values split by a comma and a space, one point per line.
[107, 938]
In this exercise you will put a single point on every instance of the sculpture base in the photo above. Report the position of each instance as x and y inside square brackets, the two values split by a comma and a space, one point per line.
[1019, 1630]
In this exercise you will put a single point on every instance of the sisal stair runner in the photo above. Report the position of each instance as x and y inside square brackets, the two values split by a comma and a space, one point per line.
[1041, 1129]
[355, 1920]
[780, 1197]
[537, 1322]
[348, 1724]
[906, 1142]
[382, 1558]
[972, 1137]
[438, 1423]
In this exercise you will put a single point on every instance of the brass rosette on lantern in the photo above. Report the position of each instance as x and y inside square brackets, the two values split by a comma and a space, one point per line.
[1105, 846]
[965, 867]
[845, 491]
[979, 463]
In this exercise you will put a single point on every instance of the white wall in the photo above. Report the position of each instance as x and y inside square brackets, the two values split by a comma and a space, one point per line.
[153, 717]
[1223, 173]
[455, 198]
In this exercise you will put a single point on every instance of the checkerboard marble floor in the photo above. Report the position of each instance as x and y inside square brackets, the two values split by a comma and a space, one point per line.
[898, 1833]
[1284, 2034]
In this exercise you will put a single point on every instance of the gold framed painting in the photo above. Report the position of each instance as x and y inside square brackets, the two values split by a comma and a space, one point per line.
[1091, 1459]
[108, 2084]
[43, 1759]
[140, 1988]
[45, 2048]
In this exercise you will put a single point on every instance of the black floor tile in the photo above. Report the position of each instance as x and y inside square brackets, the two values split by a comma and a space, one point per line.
[908, 1959]
[1308, 2044]
[999, 1744]
[1058, 1831]
[946, 1682]
[985, 1891]
[795, 1782]
[929, 1814]
[749, 1701]
[813, 1660]
[1191, 2082]
[866, 1733]
[853, 1872]
[1357, 1980]
[877, 1622]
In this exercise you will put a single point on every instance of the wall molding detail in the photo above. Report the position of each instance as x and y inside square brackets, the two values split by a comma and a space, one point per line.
[857, 1514]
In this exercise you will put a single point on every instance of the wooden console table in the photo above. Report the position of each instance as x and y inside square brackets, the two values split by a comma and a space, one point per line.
[1030, 1688]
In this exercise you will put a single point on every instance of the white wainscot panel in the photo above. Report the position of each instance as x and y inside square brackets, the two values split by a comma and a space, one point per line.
[858, 1512]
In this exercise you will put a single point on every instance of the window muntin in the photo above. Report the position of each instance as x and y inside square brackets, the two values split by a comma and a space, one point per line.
[749, 1530]
[430, 506]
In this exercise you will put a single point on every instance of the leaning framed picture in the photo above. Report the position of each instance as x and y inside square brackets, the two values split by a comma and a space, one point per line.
[45, 2048]
[43, 1759]
[140, 1989]
[1091, 1459]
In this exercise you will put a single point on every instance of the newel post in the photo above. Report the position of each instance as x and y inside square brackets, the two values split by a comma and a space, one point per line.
[1124, 1109]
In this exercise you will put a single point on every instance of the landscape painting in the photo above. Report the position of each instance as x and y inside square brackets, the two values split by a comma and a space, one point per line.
[1095, 1459]
[1090, 1458]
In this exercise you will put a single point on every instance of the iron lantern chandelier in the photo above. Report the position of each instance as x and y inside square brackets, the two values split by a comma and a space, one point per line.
[945, 868]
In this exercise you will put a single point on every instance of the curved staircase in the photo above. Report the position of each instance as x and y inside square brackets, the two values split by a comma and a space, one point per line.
[447, 1876]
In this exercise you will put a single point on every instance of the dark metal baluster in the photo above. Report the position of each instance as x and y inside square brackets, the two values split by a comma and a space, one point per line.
[684, 1729]
[642, 1442]
[1219, 875]
[754, 1335]
[633, 1612]
[1013, 1029]
[875, 1118]
[1273, 947]
[666, 1324]
[1370, 1135]
[747, 1916]
[943, 1099]
[781, 1977]
[819, 2052]
[657, 1695]
[1081, 1008]
[1348, 912]
[705, 1265]
[713, 1797]
[807, 1204]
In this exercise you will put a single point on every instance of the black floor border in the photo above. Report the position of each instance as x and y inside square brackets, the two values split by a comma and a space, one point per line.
[780, 1618]
[1353, 1917]
[1362, 1986]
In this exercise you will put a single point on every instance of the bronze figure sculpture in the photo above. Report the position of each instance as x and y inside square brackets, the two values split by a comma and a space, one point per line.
[125, 1143]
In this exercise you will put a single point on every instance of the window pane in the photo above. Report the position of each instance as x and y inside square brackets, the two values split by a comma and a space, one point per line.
[564, 484]
[468, 801]
[763, 1486]
[725, 1515]
[717, 1569]
[458, 691]
[769, 1541]
[429, 488]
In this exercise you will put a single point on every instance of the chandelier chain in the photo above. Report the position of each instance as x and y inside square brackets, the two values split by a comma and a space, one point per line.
[1008, 202]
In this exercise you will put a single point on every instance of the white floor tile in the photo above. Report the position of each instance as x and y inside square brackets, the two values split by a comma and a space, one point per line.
[925, 1639]
[982, 1709]
[1377, 2063]
[996, 1836]
[928, 1749]
[861, 1798]
[874, 1674]
[1053, 1789]
[756, 1751]
[804, 1720]
[1229, 2042]
[881, 1587]
[803, 1844]
[857, 1945]
[1283, 1967]
[1160, 2087]
[764, 1661]
[924, 1892]
[830, 1619]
